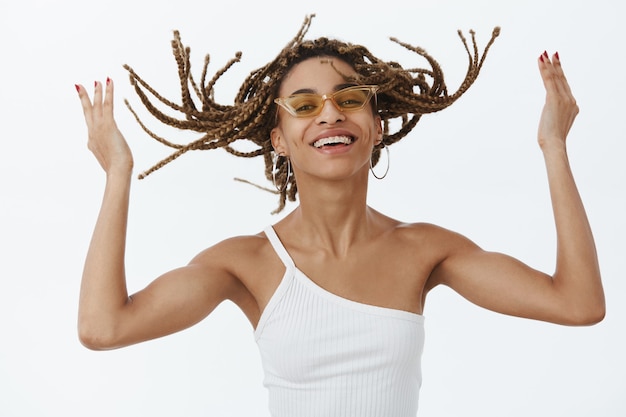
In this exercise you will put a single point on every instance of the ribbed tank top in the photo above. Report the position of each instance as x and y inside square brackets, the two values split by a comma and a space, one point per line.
[326, 356]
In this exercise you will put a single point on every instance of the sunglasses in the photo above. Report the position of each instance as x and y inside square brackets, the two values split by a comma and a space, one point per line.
[345, 100]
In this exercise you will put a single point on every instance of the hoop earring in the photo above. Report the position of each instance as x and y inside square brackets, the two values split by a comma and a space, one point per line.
[386, 148]
[274, 170]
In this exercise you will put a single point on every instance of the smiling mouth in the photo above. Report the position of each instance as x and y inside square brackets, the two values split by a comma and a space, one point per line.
[333, 141]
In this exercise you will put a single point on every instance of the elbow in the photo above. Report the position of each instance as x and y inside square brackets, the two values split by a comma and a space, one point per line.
[588, 316]
[594, 311]
[595, 317]
[95, 337]
[583, 304]
[91, 342]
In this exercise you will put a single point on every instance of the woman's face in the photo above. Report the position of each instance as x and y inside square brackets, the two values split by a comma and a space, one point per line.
[332, 144]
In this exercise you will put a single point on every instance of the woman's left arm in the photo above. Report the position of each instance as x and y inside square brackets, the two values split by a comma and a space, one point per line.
[577, 274]
[574, 294]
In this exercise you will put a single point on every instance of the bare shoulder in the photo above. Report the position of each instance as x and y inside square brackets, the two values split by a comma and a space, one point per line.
[236, 248]
[438, 238]
[238, 256]
[434, 245]
[253, 266]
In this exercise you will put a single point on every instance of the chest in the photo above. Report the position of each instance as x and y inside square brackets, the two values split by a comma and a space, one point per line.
[392, 274]
[370, 275]
[309, 335]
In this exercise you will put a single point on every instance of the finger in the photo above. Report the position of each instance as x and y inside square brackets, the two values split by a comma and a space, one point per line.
[108, 98]
[97, 99]
[562, 79]
[85, 103]
[554, 70]
[553, 77]
[546, 71]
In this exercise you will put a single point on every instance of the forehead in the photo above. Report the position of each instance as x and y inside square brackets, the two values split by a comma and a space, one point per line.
[319, 74]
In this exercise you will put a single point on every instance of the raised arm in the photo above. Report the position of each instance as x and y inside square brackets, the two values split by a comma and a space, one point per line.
[108, 317]
[577, 274]
[573, 294]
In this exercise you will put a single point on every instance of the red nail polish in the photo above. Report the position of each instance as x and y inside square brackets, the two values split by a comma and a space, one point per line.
[95, 83]
[545, 54]
[108, 81]
[541, 58]
[556, 54]
[77, 88]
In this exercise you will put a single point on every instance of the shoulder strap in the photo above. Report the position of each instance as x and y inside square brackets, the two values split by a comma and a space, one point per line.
[278, 247]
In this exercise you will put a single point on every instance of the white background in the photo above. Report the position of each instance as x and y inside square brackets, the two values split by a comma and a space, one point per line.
[474, 168]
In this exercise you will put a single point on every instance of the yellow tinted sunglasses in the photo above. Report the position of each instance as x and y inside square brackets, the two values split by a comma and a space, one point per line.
[345, 100]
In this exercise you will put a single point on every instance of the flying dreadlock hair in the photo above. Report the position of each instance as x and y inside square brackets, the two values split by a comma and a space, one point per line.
[404, 95]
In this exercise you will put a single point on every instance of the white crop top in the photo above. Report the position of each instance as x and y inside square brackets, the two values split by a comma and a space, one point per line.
[327, 356]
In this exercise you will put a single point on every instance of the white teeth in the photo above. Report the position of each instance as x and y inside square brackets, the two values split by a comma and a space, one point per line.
[346, 140]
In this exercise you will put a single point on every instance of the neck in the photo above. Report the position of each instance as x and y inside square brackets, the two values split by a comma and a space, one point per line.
[332, 214]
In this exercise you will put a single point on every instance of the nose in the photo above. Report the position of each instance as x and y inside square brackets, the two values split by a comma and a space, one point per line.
[330, 112]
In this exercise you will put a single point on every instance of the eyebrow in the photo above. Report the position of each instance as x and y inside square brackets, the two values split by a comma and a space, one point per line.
[312, 91]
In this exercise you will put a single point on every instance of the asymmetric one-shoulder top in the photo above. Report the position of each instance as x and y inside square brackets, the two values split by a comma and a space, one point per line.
[327, 356]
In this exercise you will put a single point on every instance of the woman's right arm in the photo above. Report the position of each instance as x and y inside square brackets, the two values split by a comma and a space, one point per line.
[108, 317]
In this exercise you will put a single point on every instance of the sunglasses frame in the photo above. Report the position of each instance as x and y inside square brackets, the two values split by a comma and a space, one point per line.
[284, 101]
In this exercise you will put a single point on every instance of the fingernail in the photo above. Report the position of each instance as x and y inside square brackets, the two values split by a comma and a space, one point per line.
[95, 83]
[108, 81]
[545, 54]
[77, 88]
[556, 54]
[541, 58]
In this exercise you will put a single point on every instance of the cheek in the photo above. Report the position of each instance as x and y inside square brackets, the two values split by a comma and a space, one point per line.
[374, 129]
[291, 132]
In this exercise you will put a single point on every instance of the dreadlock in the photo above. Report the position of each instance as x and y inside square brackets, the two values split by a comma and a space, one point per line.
[404, 95]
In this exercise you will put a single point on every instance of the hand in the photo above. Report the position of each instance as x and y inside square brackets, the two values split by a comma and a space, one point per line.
[106, 141]
[560, 108]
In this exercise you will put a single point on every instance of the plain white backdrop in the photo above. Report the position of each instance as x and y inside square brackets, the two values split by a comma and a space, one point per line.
[474, 168]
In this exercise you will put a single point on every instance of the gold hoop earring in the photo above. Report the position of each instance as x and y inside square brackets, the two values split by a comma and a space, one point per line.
[386, 169]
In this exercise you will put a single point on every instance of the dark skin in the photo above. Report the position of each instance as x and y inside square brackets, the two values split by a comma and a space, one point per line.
[333, 236]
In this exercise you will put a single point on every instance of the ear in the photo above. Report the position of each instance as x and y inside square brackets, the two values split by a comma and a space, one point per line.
[276, 136]
[379, 130]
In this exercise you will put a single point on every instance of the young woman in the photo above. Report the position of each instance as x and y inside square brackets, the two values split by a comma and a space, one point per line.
[334, 290]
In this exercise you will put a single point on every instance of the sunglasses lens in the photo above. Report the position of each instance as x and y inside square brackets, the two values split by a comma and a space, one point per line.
[352, 98]
[303, 105]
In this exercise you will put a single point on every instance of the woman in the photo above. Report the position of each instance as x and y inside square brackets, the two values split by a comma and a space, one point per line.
[335, 290]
